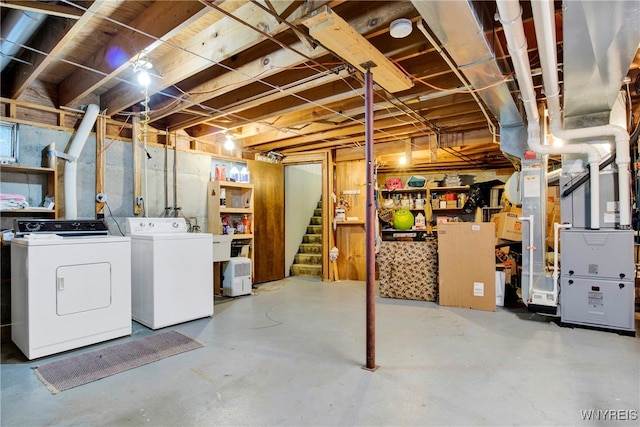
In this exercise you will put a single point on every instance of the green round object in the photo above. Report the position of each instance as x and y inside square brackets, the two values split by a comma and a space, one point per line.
[402, 219]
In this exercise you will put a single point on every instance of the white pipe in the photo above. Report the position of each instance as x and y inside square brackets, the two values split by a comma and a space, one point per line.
[530, 247]
[556, 227]
[71, 167]
[554, 175]
[511, 17]
[544, 20]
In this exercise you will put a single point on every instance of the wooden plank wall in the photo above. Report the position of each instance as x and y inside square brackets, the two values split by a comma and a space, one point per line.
[351, 175]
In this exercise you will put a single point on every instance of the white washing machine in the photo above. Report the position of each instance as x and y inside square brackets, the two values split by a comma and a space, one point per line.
[68, 292]
[171, 272]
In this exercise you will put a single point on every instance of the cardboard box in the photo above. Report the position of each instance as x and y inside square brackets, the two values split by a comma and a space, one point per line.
[553, 194]
[507, 226]
[515, 210]
[452, 204]
[553, 216]
[466, 260]
[222, 247]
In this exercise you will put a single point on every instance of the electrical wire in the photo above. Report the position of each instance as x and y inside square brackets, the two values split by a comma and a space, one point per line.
[225, 13]
[209, 109]
[106, 147]
[113, 218]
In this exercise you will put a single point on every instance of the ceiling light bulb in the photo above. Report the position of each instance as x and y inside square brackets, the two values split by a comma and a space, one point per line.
[402, 160]
[143, 78]
[228, 144]
[400, 28]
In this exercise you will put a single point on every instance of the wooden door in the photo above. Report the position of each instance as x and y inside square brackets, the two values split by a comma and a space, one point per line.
[268, 222]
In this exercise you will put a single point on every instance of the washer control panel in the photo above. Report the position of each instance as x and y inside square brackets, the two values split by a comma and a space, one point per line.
[156, 225]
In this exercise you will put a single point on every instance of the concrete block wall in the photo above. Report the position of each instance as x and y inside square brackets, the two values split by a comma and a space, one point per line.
[193, 173]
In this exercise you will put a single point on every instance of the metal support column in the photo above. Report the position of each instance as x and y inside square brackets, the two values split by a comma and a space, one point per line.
[370, 226]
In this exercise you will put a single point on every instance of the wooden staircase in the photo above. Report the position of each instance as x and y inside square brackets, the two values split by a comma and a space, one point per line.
[308, 260]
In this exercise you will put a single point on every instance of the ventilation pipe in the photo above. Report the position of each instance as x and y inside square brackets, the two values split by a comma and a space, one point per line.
[543, 14]
[71, 157]
[511, 18]
[17, 29]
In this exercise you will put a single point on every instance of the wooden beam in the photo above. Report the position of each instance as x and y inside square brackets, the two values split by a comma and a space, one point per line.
[266, 66]
[335, 34]
[383, 119]
[218, 42]
[60, 11]
[281, 59]
[291, 114]
[339, 137]
[161, 20]
[101, 136]
[137, 158]
[59, 33]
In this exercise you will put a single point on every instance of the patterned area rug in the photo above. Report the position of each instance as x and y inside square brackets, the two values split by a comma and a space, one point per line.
[84, 368]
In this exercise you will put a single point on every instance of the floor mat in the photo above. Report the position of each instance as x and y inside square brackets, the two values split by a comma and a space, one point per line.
[84, 368]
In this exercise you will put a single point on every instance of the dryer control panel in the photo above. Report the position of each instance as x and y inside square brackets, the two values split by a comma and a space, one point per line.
[74, 227]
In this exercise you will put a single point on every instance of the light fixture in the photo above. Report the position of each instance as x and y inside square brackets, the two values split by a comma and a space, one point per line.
[228, 144]
[400, 28]
[402, 160]
[140, 67]
[143, 77]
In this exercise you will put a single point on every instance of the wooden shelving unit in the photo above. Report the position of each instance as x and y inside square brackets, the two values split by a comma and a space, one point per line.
[432, 196]
[238, 203]
[32, 182]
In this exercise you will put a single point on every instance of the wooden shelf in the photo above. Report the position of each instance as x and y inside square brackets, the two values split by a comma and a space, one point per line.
[233, 184]
[34, 183]
[459, 210]
[393, 230]
[27, 169]
[242, 236]
[445, 189]
[25, 211]
[405, 190]
[424, 189]
[239, 211]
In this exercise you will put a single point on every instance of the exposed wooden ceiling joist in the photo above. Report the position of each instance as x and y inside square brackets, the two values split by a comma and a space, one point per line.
[252, 68]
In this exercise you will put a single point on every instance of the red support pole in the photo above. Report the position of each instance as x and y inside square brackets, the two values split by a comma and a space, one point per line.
[370, 226]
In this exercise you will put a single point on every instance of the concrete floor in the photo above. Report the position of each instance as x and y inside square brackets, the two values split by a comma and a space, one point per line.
[291, 355]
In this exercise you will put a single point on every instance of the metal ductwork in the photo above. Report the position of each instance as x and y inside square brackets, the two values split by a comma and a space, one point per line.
[594, 70]
[457, 25]
[17, 28]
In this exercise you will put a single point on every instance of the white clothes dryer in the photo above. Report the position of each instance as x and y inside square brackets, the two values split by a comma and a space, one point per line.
[171, 272]
[68, 292]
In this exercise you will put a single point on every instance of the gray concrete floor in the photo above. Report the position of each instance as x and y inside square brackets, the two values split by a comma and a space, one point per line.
[291, 355]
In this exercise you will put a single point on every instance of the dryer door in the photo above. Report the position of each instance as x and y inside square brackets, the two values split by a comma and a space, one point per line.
[83, 287]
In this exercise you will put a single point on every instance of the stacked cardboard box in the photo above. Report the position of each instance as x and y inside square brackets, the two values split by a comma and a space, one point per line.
[508, 226]
[553, 212]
